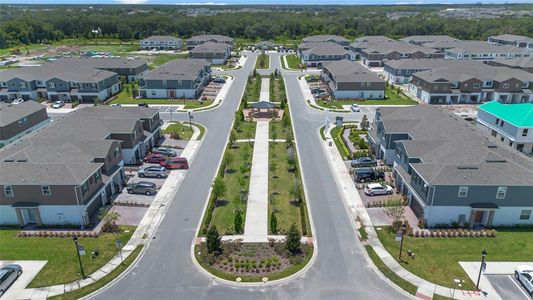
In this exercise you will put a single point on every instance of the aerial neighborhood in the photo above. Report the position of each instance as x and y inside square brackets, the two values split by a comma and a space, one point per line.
[159, 149]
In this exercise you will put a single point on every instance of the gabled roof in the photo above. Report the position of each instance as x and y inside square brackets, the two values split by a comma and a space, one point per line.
[210, 47]
[178, 69]
[325, 38]
[325, 49]
[210, 37]
[101, 63]
[512, 38]
[10, 113]
[373, 38]
[520, 114]
[157, 38]
[427, 38]
[350, 71]
[65, 72]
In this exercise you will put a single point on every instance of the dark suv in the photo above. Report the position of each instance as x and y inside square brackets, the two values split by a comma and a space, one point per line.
[366, 174]
[142, 187]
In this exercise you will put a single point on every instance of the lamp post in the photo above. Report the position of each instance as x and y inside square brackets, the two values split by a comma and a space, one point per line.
[401, 241]
[190, 120]
[75, 239]
[482, 267]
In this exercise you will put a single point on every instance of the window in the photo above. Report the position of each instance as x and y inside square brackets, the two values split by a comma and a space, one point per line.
[46, 190]
[501, 124]
[84, 188]
[51, 85]
[525, 132]
[476, 85]
[463, 191]
[500, 194]
[153, 93]
[93, 85]
[505, 85]
[39, 82]
[497, 120]
[97, 175]
[520, 147]
[8, 190]
[525, 214]
[164, 83]
[3, 84]
[179, 82]
[116, 152]
[22, 84]
[23, 121]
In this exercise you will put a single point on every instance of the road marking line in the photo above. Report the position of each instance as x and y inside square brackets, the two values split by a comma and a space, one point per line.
[519, 287]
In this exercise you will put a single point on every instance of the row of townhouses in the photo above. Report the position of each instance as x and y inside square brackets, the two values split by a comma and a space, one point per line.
[511, 39]
[450, 171]
[17, 120]
[62, 174]
[349, 79]
[166, 42]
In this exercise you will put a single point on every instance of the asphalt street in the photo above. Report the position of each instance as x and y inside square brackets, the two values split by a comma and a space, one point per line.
[341, 271]
[508, 287]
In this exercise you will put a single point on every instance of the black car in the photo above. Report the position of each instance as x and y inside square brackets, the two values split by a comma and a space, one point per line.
[142, 104]
[363, 162]
[366, 174]
[219, 80]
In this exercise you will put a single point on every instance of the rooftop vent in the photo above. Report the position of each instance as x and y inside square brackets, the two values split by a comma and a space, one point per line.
[467, 167]
[492, 146]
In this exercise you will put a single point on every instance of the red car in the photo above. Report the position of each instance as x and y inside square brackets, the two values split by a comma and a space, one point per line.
[175, 163]
[155, 158]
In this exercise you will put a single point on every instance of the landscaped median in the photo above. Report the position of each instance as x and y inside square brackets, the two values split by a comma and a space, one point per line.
[183, 130]
[291, 62]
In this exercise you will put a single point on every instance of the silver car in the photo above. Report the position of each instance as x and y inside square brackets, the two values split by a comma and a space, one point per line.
[153, 171]
[8, 275]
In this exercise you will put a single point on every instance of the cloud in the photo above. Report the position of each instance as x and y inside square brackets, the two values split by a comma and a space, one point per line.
[132, 1]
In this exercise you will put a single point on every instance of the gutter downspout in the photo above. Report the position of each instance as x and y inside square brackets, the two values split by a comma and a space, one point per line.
[431, 205]
[79, 208]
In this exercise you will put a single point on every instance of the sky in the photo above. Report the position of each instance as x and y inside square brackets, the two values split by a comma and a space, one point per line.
[263, 2]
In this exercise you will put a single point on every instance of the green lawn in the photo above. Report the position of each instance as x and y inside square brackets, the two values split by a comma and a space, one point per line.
[253, 89]
[277, 89]
[278, 130]
[336, 135]
[437, 258]
[235, 179]
[293, 61]
[262, 61]
[124, 97]
[79, 293]
[31, 47]
[164, 58]
[392, 98]
[112, 48]
[62, 266]
[246, 130]
[182, 129]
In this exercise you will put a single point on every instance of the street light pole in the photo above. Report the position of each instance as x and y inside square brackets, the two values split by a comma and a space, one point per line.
[190, 120]
[75, 239]
[483, 255]
[401, 241]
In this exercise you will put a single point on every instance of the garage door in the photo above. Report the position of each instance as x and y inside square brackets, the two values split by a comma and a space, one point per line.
[416, 207]
[88, 99]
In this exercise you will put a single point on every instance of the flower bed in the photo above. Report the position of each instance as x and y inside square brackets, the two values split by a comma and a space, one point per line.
[452, 233]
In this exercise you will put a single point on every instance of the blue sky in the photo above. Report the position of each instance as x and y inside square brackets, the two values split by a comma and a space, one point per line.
[229, 2]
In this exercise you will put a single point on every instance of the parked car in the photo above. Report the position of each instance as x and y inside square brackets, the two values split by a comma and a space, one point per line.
[524, 274]
[322, 95]
[362, 162]
[116, 105]
[58, 104]
[373, 189]
[219, 80]
[366, 174]
[17, 101]
[355, 108]
[165, 151]
[155, 158]
[142, 104]
[142, 187]
[153, 171]
[8, 275]
[175, 163]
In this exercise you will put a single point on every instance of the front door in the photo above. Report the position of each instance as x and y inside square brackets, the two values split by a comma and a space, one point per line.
[478, 217]
[172, 94]
[29, 216]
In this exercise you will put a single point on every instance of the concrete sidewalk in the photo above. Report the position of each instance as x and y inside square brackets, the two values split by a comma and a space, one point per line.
[357, 210]
[256, 225]
[264, 95]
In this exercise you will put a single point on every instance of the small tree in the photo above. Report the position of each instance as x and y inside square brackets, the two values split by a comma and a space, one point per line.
[273, 223]
[213, 240]
[238, 119]
[219, 189]
[291, 160]
[395, 212]
[292, 241]
[237, 222]
[289, 138]
[110, 219]
[365, 124]
[274, 134]
[228, 159]
[286, 121]
[233, 137]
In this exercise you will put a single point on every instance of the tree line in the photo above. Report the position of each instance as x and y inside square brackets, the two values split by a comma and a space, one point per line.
[43, 24]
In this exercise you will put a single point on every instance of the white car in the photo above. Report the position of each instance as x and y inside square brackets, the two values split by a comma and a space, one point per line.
[18, 101]
[355, 108]
[524, 274]
[58, 104]
[378, 189]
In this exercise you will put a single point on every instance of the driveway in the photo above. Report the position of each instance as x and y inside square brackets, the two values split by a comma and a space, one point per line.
[30, 268]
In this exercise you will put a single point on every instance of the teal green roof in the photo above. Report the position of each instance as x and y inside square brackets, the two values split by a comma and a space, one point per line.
[520, 115]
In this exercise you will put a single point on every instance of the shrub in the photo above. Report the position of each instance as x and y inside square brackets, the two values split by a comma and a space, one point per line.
[292, 241]
[75, 103]
[213, 240]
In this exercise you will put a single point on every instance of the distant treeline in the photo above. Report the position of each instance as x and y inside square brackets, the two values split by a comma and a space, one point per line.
[41, 24]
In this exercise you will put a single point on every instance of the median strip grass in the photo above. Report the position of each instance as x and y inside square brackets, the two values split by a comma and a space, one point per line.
[293, 61]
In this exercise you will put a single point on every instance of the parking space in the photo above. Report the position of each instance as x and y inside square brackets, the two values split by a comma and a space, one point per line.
[508, 287]
[30, 268]
[129, 215]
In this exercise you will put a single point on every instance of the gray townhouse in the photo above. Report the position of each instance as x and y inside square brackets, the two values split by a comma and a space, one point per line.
[449, 171]
[350, 80]
[214, 53]
[511, 39]
[373, 39]
[17, 120]
[128, 68]
[179, 78]
[400, 71]
[369, 41]
[424, 39]
[464, 83]
[524, 63]
[214, 38]
[328, 38]
[265, 45]
[511, 124]
[375, 55]
[58, 82]
[161, 42]
[483, 51]
[64, 173]
[315, 54]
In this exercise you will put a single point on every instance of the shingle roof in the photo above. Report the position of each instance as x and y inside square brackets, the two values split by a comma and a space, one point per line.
[64, 72]
[512, 38]
[522, 62]
[101, 63]
[484, 47]
[350, 71]
[210, 47]
[429, 63]
[428, 38]
[10, 113]
[325, 38]
[158, 38]
[389, 47]
[458, 72]
[178, 69]
[373, 38]
[325, 49]
[19, 173]
[519, 114]
[210, 37]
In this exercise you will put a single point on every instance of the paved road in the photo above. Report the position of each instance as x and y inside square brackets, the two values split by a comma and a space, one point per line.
[508, 287]
[340, 271]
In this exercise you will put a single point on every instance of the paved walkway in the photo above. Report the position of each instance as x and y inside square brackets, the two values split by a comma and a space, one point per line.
[256, 225]
[142, 235]
[264, 95]
[357, 210]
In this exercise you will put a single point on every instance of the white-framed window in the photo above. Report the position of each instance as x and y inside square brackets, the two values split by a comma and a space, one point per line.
[164, 83]
[3, 84]
[22, 84]
[463, 192]
[525, 214]
[179, 82]
[51, 85]
[153, 93]
[23, 121]
[8, 191]
[46, 190]
[476, 85]
[85, 188]
[500, 194]
[93, 85]
[116, 152]
[525, 132]
[505, 85]
[97, 175]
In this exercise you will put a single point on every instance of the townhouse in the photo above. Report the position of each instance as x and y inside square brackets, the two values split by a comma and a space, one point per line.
[463, 83]
[511, 39]
[17, 120]
[64, 173]
[375, 55]
[214, 38]
[512, 124]
[58, 82]
[450, 172]
[524, 63]
[327, 38]
[128, 68]
[483, 51]
[161, 42]
[401, 71]
[315, 54]
[265, 45]
[369, 41]
[179, 78]
[214, 53]
[350, 80]
[424, 39]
